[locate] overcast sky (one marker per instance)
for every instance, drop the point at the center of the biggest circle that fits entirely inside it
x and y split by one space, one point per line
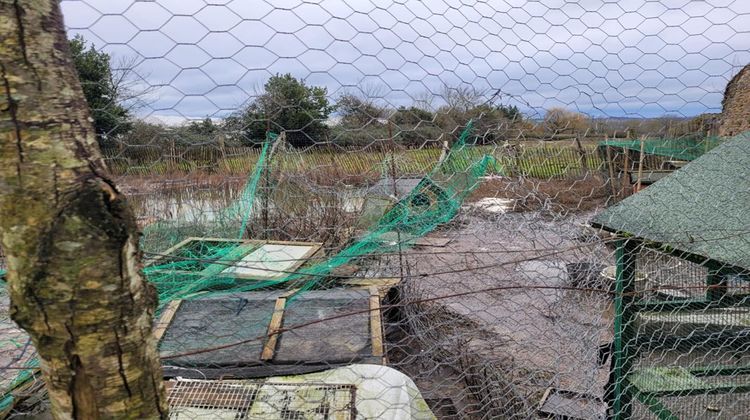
606 58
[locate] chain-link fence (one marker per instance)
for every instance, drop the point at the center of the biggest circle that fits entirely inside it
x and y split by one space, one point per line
408 209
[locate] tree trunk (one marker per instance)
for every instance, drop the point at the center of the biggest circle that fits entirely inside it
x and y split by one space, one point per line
69 236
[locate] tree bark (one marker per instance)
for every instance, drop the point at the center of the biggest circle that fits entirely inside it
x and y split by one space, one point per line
70 239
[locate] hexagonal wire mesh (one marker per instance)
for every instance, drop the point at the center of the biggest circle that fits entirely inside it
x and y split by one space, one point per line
406 209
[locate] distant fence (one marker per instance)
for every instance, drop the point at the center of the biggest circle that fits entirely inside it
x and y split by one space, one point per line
548 161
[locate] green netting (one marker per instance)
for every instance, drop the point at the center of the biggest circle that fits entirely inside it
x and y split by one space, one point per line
435 200
229 222
196 270
23 356
8 399
676 149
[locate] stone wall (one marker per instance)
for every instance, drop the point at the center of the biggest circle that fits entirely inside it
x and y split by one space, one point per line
735 114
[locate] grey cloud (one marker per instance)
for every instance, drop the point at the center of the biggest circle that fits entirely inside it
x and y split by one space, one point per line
606 58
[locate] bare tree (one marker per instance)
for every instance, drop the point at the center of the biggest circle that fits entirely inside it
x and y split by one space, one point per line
559 120
70 238
131 88
461 98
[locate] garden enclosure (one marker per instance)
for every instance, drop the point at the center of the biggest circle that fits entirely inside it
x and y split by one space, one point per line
399 209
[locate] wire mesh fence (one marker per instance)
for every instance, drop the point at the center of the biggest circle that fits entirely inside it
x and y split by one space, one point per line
443 209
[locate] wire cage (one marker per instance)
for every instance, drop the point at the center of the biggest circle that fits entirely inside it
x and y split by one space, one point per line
682 340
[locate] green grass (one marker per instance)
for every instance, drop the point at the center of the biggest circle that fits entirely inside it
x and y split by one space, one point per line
535 161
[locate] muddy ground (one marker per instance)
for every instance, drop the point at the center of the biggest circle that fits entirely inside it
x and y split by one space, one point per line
498 316
496 310
495 317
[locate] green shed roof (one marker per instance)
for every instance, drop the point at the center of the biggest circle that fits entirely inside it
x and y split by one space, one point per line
702 209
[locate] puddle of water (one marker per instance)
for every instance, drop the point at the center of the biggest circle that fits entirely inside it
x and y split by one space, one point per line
205 205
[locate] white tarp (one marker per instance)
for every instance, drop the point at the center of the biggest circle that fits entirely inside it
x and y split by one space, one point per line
378 392
382 392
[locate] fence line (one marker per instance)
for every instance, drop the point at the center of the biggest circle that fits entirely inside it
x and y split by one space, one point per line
535 162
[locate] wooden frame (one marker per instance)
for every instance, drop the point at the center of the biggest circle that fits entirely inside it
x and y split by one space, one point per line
628 384
383 284
376 323
315 249
275 324
647 177
182 243
166 319
269 348
252 245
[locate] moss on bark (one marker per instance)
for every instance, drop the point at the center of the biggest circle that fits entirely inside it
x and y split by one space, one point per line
70 238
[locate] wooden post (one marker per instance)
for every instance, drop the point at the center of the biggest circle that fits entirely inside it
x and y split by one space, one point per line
376 323
624 348
626 172
610 166
640 165
582 152
443 151
392 141
222 150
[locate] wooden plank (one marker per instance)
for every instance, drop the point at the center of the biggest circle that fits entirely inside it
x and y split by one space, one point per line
166 318
319 244
214 239
649 177
368 282
376 323
315 248
275 325
247 246
288 293
230 258
544 398
168 252
383 284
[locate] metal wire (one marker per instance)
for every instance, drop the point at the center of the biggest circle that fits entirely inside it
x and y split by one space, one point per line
519 308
